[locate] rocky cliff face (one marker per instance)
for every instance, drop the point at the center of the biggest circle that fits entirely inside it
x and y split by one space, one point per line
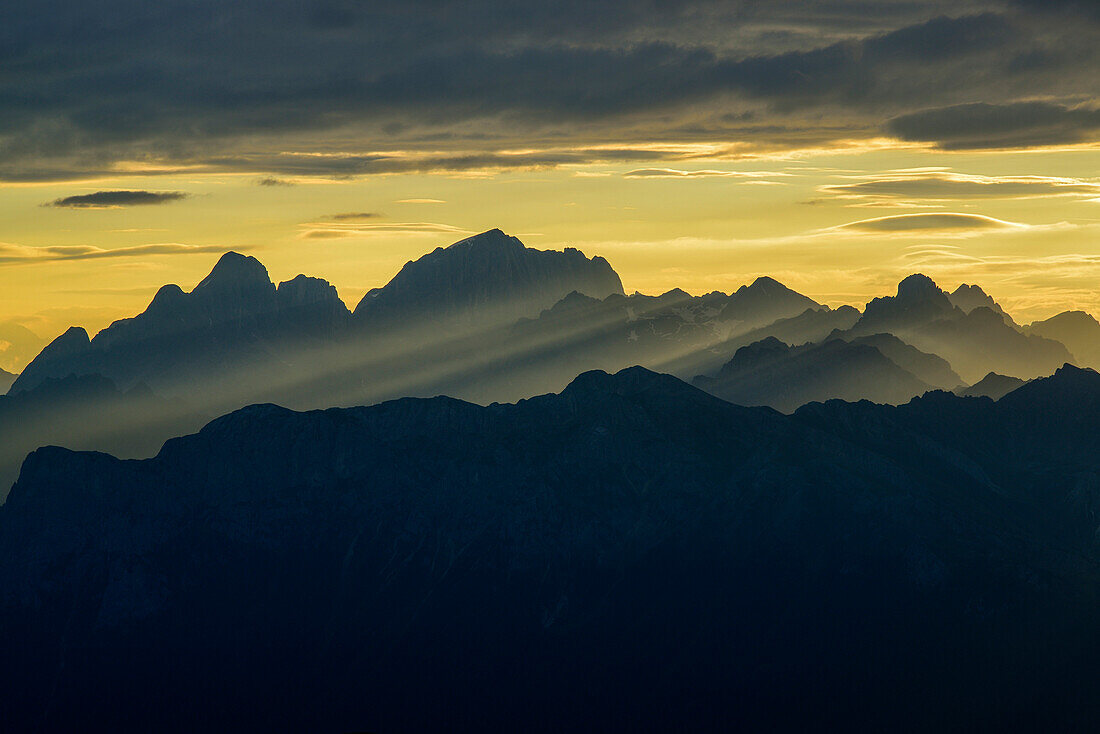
632 553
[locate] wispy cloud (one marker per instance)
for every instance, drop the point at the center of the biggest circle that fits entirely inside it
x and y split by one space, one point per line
929 221
339 230
354 216
117 199
676 173
11 253
420 201
272 181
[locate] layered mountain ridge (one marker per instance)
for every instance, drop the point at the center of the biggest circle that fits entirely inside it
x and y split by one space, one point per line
630 551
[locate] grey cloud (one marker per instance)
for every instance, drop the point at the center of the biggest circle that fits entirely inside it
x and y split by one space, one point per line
982 125
116 199
354 216
946 186
930 221
188 80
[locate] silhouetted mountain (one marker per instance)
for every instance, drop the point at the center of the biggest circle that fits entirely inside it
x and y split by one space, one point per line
974 343
771 373
992 386
485 280
919 301
763 301
632 553
1079 331
928 368
234 320
969 297
87 412
981 342
6 380
18 346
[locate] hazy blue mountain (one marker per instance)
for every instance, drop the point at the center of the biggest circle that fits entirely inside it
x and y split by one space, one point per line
992 386
969 297
631 553
18 346
6 380
1079 331
981 342
974 343
87 412
772 373
762 302
485 280
928 368
234 320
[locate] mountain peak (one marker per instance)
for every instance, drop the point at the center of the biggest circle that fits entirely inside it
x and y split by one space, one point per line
490 277
490 240
234 270
917 285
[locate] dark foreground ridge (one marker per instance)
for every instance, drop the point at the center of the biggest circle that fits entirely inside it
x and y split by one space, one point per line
631 554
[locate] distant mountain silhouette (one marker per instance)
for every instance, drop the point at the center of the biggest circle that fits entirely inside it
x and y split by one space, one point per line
928 368
87 412
919 301
1079 331
974 343
771 373
485 280
631 553
6 380
762 302
992 386
18 346
981 342
234 319
969 297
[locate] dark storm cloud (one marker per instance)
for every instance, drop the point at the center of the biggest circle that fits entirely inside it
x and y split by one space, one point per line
116 199
981 125
202 82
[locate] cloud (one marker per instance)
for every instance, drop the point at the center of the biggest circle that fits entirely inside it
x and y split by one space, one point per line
1015 125
272 181
117 199
929 221
354 216
11 253
335 230
675 173
111 91
420 201
948 186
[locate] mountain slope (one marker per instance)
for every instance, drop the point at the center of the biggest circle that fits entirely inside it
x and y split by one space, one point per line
6 380
632 553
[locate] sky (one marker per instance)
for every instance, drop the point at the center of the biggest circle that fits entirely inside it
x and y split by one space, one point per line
836 145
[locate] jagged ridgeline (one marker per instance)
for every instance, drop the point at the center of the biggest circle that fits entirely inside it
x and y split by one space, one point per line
631 554
488 319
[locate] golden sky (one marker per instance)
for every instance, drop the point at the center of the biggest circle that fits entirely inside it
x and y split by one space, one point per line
836 146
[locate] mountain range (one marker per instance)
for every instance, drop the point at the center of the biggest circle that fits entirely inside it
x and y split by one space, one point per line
632 553
487 320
